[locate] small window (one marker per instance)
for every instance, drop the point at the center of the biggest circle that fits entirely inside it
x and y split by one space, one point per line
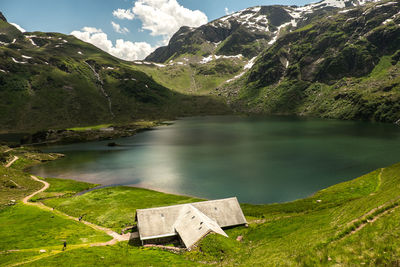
200 227
201 223
215 208
193 217
162 215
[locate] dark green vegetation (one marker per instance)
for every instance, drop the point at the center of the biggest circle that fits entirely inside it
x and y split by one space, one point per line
54 80
89 133
344 66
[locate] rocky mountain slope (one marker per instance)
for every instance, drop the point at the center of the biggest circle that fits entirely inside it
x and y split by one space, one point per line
345 66
55 80
246 32
335 59
197 60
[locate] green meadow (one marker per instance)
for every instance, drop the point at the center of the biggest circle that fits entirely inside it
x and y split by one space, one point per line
349 224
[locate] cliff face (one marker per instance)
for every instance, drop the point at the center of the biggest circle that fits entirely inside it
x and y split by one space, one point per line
2 17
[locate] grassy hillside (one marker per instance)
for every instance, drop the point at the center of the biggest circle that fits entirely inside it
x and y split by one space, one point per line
309 231
114 207
26 230
352 223
54 80
187 75
342 66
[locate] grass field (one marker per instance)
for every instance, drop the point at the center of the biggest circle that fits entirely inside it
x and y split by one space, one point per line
62 188
90 128
15 184
24 227
349 224
313 231
114 207
118 255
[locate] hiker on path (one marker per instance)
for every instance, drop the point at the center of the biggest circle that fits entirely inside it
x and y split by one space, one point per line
65 245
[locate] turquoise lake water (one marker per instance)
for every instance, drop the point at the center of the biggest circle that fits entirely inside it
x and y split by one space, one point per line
257 159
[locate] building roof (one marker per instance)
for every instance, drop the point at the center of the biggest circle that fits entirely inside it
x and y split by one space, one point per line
160 222
192 225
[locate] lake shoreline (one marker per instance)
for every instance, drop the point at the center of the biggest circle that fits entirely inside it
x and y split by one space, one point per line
71 136
280 158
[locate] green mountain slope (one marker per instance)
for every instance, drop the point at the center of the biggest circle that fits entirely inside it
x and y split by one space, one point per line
55 80
342 66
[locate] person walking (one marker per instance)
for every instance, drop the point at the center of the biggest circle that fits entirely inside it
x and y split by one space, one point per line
65 245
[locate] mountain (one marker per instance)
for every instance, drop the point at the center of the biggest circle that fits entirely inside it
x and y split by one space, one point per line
344 66
334 59
2 17
246 32
197 60
55 80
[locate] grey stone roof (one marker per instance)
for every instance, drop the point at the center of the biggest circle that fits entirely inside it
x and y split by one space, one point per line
192 225
166 221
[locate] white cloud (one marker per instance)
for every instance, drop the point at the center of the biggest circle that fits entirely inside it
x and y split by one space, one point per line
18 27
122 49
164 17
227 12
123 14
118 28
91 30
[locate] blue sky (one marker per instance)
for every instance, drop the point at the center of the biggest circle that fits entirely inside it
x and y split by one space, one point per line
146 29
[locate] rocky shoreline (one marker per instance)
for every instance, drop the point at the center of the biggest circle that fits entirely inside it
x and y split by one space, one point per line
67 136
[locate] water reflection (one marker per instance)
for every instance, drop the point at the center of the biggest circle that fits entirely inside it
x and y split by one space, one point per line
260 160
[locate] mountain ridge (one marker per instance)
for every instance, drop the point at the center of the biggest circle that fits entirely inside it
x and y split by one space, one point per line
54 80
235 31
258 60
345 66
289 79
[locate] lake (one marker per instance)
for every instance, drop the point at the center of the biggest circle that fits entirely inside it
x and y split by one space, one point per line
257 159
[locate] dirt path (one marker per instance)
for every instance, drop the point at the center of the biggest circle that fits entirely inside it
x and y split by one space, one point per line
8 165
115 236
381 210
373 220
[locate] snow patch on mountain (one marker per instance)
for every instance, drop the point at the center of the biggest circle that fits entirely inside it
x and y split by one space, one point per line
255 21
210 58
18 62
248 66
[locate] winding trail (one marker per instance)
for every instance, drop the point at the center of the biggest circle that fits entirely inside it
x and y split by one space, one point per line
26 199
381 210
8 165
115 236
